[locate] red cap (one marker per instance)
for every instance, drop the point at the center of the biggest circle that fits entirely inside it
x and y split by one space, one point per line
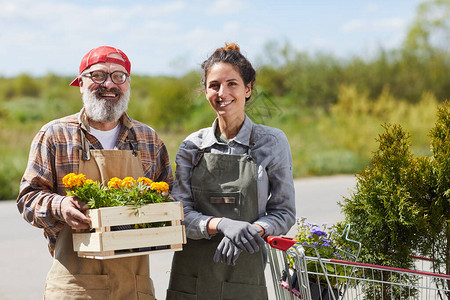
100 55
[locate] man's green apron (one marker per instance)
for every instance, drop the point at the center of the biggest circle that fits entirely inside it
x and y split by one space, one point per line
75 278
223 185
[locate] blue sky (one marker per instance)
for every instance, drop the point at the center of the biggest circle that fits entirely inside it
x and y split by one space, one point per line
170 37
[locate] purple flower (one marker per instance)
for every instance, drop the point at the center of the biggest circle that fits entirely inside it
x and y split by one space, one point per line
326 244
317 231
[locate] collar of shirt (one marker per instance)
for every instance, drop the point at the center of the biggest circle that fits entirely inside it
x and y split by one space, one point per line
125 128
243 136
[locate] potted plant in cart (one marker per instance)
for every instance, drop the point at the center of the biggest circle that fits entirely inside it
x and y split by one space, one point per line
128 217
320 243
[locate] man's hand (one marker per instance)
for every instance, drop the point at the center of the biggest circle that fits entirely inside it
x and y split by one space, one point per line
72 211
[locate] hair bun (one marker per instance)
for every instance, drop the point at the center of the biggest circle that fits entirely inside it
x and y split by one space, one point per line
230 47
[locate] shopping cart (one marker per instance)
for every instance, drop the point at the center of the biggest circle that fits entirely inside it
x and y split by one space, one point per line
296 275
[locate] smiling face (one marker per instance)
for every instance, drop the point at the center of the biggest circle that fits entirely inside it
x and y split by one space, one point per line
105 102
226 91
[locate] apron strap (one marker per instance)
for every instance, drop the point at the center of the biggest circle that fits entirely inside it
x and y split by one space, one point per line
252 138
200 153
131 138
251 142
85 145
86 153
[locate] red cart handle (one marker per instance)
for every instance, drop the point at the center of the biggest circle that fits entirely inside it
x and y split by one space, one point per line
282 243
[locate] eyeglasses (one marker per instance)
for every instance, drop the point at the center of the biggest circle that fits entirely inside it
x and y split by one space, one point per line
99 77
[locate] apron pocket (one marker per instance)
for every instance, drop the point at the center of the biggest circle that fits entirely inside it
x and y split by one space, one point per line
218 204
182 285
144 287
243 291
144 296
77 287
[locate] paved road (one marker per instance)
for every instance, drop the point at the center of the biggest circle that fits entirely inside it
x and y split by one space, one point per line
25 261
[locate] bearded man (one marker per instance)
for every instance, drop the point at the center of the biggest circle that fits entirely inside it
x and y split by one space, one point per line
101 142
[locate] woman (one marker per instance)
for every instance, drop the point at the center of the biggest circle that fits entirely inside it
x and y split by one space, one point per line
235 182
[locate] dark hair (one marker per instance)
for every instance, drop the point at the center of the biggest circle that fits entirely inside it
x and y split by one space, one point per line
232 55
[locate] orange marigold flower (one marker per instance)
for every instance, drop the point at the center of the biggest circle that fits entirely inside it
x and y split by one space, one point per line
160 186
80 180
114 182
73 180
89 181
145 180
128 182
164 187
67 180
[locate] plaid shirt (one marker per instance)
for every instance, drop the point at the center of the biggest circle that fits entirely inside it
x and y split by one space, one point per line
55 153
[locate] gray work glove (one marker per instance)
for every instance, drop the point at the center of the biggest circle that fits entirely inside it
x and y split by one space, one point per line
243 234
227 252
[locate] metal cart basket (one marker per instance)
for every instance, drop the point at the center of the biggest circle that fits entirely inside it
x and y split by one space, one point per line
345 279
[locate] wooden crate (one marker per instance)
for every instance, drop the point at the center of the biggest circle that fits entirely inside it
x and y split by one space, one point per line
106 244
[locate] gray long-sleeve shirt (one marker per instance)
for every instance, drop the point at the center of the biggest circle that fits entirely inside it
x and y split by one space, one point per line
276 195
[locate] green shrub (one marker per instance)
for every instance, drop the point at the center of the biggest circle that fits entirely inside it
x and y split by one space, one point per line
382 209
401 202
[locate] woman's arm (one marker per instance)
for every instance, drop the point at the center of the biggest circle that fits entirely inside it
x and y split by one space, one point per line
280 207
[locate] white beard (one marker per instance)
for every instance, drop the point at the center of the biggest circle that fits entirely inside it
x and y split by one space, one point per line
105 111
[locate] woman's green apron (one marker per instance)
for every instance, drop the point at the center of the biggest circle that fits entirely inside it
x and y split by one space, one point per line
223 185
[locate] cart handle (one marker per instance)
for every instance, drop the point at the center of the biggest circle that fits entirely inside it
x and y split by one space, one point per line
281 243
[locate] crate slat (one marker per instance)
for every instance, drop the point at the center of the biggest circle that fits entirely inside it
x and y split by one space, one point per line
113 254
128 239
123 215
